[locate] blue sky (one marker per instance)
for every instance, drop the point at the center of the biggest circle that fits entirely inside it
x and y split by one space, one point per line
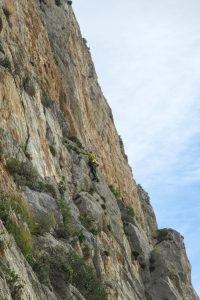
147 57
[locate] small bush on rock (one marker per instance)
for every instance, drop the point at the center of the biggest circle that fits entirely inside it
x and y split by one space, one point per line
13 280
45 222
84 278
18 220
49 188
73 144
66 229
15 202
41 266
71 269
88 223
62 187
66 213
75 140
21 235
73 148
79 235
23 173
130 211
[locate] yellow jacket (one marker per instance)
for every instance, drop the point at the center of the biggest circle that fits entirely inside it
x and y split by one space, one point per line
91 157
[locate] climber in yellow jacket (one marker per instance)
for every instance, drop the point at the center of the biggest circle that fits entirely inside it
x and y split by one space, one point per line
92 163
91 156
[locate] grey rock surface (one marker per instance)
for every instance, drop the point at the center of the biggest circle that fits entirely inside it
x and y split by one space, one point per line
52 111
150 217
170 268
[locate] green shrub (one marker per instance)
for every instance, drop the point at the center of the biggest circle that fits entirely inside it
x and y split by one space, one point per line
71 269
130 211
50 188
45 222
62 187
47 188
84 278
79 235
66 213
4 62
93 230
73 148
75 140
41 266
66 229
14 212
21 235
79 274
49 265
115 192
88 223
23 173
13 280
15 202
76 146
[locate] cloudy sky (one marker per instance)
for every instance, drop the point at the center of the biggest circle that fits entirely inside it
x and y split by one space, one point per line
147 57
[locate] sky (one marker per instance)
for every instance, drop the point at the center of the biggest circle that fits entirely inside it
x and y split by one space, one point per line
147 58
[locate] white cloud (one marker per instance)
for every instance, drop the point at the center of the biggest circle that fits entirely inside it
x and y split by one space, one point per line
147 58
159 90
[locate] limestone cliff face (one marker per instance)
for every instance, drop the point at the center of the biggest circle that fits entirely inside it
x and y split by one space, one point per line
51 111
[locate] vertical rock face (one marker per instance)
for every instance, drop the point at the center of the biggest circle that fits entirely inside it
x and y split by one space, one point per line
64 235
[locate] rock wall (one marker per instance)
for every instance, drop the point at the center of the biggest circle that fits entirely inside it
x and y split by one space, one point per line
64 235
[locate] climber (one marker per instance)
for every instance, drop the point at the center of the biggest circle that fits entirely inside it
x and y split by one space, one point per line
92 163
